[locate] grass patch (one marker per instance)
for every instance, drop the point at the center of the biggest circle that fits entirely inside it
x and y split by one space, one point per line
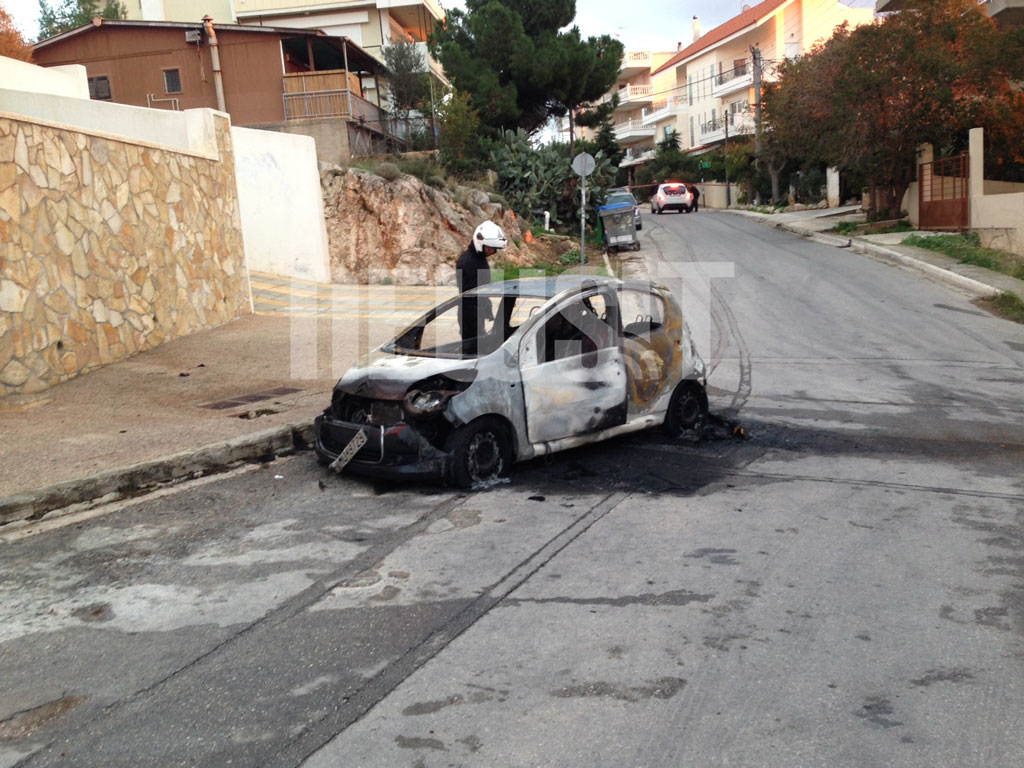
1007 305
900 226
565 262
967 250
845 227
514 272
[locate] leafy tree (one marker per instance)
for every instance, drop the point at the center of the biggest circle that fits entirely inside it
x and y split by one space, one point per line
407 79
12 44
56 16
459 128
866 99
517 65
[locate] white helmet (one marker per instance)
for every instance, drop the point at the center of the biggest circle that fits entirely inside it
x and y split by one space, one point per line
490 234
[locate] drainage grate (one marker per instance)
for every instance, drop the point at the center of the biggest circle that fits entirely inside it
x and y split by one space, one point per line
243 400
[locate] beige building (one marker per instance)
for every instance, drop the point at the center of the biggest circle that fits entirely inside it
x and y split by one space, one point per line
705 92
371 24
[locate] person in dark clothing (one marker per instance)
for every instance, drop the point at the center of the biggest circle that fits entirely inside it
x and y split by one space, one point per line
696 196
472 271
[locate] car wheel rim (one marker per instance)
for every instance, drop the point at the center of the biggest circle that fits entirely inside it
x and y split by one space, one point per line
688 411
483 456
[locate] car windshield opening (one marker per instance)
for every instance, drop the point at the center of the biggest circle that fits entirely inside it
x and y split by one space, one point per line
467 327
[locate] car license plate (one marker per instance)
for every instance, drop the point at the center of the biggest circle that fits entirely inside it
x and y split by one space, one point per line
349 451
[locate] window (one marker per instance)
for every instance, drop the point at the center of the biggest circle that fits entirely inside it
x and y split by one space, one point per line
99 88
693 138
172 81
576 329
689 90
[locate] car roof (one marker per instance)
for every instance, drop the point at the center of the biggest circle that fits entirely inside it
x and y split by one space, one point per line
549 287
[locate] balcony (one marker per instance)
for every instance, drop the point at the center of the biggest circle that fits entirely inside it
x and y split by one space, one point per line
635 62
432 65
632 132
662 109
738 79
331 93
738 124
633 96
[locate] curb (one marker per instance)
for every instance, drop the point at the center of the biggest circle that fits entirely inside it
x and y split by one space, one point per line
144 476
976 287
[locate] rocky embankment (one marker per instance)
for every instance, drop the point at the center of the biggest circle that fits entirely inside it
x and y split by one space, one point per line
404 231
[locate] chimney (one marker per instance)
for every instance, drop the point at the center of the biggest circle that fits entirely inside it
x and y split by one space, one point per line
696 29
679 47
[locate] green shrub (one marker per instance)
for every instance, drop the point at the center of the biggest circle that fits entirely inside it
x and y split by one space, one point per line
389 171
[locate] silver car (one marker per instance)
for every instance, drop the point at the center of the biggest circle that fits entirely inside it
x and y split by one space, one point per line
553 363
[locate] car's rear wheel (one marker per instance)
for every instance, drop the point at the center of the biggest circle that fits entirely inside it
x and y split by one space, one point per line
481 452
687 410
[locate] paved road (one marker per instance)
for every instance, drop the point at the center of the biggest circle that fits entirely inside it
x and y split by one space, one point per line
844 588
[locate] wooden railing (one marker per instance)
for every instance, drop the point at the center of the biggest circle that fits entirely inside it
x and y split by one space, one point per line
331 93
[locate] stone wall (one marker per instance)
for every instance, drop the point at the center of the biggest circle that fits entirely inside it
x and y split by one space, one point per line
109 246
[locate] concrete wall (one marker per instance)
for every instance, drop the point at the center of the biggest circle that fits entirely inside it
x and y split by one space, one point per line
333 142
70 81
282 204
999 221
111 244
997 208
187 131
713 195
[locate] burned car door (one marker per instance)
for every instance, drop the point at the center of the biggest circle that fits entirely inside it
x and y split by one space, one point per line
573 370
651 333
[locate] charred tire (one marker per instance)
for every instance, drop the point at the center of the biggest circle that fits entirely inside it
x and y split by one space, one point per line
481 452
687 410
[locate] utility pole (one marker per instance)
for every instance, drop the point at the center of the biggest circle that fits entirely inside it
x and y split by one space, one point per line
728 197
756 53
756 57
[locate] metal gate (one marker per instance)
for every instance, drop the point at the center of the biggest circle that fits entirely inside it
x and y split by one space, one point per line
943 186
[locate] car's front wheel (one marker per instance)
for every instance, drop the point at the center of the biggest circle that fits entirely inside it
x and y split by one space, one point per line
687 410
481 452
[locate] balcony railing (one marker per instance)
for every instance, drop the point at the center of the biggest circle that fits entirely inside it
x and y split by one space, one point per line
636 60
739 123
661 109
725 77
331 93
633 129
635 92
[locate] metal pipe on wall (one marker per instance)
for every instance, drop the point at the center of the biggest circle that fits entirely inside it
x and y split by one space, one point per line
218 82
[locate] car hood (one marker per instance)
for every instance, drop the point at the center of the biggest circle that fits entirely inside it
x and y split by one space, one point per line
386 376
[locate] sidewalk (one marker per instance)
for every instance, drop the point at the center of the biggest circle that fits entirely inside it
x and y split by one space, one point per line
815 223
196 404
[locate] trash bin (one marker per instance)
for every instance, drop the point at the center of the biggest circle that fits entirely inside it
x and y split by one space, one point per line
619 226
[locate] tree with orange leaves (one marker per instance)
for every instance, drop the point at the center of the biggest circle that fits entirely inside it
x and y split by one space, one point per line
868 97
12 44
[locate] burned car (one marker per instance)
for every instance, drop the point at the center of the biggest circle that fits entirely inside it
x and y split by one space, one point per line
552 363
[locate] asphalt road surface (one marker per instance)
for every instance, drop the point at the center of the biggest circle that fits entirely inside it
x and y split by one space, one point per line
843 586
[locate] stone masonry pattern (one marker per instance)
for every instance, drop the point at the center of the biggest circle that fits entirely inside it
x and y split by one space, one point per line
108 248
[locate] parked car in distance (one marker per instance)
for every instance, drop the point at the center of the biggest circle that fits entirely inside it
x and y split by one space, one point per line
621 195
560 363
672 196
